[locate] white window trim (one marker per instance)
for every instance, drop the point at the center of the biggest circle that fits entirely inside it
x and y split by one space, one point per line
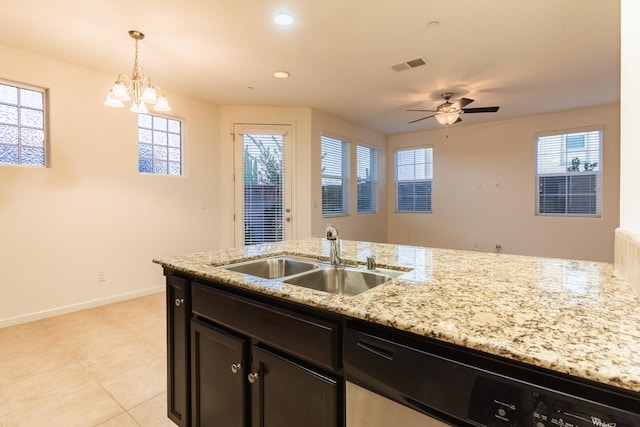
182 147
373 181
345 177
46 125
599 173
395 179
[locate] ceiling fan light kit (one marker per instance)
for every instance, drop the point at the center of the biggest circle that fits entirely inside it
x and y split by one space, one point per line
449 113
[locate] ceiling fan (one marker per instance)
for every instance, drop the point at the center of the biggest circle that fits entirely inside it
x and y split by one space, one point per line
449 113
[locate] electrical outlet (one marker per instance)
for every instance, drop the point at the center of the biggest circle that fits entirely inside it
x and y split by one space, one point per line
102 276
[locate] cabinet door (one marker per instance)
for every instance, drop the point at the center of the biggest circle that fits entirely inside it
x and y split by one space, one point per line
218 377
178 312
287 394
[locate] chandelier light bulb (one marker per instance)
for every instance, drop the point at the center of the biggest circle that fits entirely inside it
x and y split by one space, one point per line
119 92
139 108
149 95
162 105
112 102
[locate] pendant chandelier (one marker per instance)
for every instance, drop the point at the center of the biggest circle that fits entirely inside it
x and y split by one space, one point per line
137 87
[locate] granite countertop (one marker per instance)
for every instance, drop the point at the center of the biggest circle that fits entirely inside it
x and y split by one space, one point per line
574 317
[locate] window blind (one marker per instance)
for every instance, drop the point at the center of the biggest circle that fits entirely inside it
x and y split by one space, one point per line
335 176
569 174
366 164
413 179
264 178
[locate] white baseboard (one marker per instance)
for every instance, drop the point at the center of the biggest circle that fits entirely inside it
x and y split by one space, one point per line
77 307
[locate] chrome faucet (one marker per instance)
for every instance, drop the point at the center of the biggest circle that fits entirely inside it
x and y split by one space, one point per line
331 233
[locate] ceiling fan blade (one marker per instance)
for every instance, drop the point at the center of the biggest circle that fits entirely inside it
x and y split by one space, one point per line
413 121
480 110
432 111
460 103
457 121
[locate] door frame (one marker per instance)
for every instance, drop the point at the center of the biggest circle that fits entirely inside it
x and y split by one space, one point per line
284 129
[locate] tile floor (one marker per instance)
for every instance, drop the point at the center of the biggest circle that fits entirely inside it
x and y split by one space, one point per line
104 366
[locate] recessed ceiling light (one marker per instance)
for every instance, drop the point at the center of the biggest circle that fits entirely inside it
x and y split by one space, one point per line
433 24
281 74
283 19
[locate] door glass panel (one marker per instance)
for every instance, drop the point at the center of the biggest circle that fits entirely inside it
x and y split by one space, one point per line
263 189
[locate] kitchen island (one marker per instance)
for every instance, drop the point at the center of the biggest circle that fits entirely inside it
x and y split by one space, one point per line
577 318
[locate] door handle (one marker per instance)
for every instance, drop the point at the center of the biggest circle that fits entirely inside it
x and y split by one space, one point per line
253 377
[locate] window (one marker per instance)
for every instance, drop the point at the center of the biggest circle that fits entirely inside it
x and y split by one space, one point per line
335 176
159 145
569 174
367 162
413 179
22 125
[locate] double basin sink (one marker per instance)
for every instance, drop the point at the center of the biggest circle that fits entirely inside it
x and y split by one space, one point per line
312 274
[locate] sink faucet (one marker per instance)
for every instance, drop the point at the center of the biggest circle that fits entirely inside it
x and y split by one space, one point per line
331 233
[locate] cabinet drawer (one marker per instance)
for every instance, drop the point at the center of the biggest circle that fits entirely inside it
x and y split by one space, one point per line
300 335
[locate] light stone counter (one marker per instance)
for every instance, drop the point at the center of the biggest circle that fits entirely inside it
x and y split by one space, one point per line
574 317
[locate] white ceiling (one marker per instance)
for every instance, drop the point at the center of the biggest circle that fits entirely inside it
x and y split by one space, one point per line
527 56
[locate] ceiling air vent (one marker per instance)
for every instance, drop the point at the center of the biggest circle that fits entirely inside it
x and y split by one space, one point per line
418 62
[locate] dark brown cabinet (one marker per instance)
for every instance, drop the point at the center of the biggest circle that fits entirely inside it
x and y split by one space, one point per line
218 377
178 312
237 361
287 394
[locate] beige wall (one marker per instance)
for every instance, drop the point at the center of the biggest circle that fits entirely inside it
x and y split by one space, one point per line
91 210
366 227
471 212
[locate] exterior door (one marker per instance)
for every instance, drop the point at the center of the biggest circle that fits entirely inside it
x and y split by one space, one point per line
262 175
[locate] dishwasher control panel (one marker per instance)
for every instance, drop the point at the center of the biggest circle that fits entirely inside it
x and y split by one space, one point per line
495 403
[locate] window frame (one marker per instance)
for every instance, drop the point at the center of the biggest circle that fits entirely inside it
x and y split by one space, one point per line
372 179
565 182
159 147
344 177
428 202
45 125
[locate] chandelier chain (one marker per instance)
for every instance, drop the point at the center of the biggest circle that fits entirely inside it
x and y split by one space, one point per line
136 70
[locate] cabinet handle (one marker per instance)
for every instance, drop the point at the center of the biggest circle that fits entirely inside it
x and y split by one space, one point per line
253 377
235 367
179 302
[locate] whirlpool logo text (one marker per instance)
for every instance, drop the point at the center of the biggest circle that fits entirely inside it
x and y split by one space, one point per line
599 423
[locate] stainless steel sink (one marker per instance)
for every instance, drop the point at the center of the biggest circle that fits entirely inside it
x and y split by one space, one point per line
273 268
339 280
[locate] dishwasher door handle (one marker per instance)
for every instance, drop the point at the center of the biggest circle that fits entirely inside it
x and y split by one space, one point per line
378 351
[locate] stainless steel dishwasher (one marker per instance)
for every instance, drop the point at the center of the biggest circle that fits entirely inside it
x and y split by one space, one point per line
397 380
